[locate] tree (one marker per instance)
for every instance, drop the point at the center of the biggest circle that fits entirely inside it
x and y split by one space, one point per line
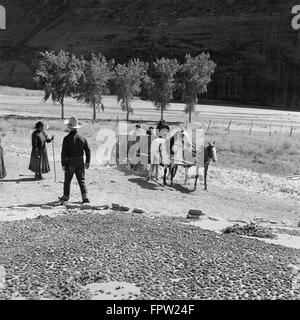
163 77
128 79
94 82
196 75
58 74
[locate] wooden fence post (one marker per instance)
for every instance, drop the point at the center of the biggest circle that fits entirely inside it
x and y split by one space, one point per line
229 125
291 132
209 125
250 131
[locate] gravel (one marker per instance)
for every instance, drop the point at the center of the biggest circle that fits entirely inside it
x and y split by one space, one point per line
251 230
54 258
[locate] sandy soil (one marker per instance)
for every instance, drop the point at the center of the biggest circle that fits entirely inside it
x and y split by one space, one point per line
22 197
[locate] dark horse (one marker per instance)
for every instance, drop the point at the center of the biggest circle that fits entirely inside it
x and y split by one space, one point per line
210 155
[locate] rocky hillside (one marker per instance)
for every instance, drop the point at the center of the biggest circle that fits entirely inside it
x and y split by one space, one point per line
257 52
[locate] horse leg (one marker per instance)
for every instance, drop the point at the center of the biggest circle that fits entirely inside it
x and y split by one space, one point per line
165 175
205 176
186 178
196 178
156 172
173 174
150 172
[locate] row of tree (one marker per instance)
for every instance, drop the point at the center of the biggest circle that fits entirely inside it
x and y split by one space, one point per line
63 75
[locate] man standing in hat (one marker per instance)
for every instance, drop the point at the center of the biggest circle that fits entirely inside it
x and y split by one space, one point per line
72 159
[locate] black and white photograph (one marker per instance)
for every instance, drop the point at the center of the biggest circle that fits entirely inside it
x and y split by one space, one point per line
150 151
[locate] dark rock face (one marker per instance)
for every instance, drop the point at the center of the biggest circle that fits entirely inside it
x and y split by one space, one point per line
252 41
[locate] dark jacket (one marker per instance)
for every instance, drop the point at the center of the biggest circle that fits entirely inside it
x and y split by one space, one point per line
73 149
39 141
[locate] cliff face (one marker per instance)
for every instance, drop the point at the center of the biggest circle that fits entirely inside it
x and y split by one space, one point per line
257 52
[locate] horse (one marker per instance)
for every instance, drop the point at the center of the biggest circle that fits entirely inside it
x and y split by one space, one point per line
210 155
181 146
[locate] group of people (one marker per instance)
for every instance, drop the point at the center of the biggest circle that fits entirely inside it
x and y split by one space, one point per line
72 157
74 148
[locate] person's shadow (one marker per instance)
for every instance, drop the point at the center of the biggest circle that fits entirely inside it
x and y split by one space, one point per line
18 180
144 184
182 189
34 205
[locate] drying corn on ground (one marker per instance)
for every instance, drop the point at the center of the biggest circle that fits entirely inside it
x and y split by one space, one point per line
56 258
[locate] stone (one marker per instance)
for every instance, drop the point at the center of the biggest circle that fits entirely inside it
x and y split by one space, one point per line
100 208
124 209
115 206
197 213
139 211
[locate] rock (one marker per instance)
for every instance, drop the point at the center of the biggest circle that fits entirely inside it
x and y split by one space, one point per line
100 208
139 211
115 206
197 213
124 209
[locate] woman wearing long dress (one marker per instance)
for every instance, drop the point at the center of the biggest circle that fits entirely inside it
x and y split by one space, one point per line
39 163
2 167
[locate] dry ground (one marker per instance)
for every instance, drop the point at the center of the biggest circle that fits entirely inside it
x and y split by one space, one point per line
239 186
250 181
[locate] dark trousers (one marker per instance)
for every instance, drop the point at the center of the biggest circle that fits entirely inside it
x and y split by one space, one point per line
79 171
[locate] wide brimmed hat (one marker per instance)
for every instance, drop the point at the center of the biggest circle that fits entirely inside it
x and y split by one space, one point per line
73 123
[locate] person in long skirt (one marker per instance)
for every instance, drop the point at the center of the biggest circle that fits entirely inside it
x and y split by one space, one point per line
2 167
39 163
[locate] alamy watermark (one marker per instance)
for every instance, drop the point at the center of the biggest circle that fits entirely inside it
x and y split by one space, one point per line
2 18
296 18
178 145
